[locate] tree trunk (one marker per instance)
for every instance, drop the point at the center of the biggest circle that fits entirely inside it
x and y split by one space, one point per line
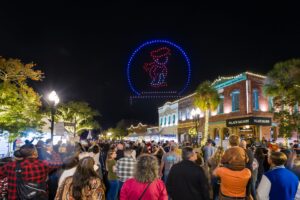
205 135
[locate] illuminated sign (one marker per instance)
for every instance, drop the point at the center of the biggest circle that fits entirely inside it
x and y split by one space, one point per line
260 121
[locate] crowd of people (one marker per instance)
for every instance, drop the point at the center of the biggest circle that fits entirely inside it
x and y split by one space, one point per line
125 170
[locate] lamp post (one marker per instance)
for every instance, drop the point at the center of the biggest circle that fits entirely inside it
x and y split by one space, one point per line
196 118
54 100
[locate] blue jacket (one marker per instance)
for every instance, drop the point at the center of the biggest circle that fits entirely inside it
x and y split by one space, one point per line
284 184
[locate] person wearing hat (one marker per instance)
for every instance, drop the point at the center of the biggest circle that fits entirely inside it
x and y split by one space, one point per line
33 170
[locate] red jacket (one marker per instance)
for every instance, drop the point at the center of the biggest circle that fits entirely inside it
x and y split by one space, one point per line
132 190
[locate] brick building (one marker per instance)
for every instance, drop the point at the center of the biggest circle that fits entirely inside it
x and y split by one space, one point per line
243 110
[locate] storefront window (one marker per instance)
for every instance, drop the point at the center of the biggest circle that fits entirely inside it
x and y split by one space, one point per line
235 97
255 103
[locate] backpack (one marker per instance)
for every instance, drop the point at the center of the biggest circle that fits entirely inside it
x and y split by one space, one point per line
29 191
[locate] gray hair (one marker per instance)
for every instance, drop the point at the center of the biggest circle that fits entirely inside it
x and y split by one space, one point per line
187 153
146 168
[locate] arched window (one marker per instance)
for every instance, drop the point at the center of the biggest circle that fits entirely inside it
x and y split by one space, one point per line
255 102
235 98
161 121
169 120
174 118
165 121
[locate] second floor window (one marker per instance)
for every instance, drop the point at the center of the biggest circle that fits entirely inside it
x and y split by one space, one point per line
255 102
174 118
161 121
235 97
169 121
165 120
221 105
270 104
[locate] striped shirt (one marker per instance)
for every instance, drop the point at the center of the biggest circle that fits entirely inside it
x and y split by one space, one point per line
125 168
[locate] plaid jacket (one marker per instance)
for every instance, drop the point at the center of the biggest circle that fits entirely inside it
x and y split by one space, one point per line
125 168
34 170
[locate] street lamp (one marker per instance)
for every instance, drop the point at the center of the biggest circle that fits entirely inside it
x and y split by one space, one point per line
196 117
54 100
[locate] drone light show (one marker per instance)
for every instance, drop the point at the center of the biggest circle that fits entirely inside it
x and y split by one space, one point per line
158 69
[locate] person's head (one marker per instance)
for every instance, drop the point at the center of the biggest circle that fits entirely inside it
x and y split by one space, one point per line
234 140
218 154
189 154
243 144
259 154
95 149
146 168
127 152
111 154
28 151
277 158
82 176
18 155
173 147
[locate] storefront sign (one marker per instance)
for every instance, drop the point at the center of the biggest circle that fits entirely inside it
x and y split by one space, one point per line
260 121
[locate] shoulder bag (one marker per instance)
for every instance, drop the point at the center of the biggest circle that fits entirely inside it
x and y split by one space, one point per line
140 198
29 190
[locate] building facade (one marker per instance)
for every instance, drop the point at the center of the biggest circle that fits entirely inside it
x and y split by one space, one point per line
168 121
243 110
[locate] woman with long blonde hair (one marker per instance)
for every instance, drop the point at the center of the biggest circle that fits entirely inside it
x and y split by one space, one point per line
213 163
146 183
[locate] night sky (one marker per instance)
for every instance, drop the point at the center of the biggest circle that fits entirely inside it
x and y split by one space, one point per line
83 48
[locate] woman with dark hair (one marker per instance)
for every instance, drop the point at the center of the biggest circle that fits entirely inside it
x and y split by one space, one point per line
146 183
260 157
85 184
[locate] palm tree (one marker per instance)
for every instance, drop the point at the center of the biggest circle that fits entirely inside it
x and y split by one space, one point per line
207 99
283 85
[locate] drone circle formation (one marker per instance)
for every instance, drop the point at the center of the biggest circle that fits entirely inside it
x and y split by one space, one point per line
150 43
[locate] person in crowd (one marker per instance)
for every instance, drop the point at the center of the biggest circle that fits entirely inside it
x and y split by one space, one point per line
279 183
120 151
186 179
113 189
260 157
145 184
208 150
168 160
213 163
235 157
85 184
95 153
49 154
294 164
125 167
158 152
33 170
249 165
56 147
233 182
